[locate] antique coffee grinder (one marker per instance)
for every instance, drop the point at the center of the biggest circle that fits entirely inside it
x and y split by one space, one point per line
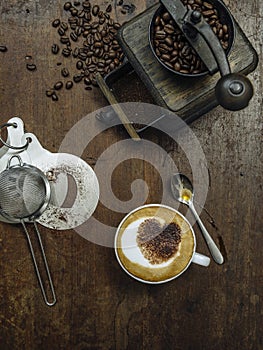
152 43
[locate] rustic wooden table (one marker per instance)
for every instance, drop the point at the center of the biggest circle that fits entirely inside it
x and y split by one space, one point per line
99 306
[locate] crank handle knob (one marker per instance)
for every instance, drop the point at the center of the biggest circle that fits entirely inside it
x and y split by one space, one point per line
234 91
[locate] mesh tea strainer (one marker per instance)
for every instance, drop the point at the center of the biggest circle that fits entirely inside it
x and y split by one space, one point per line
24 196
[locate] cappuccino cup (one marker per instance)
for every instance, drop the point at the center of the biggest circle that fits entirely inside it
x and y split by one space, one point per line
155 243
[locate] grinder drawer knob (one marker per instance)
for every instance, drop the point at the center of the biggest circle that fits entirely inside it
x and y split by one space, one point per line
234 91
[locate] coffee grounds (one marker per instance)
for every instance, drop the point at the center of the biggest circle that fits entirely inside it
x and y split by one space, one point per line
158 243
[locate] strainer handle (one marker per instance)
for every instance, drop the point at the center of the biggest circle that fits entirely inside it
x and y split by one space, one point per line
49 303
10 160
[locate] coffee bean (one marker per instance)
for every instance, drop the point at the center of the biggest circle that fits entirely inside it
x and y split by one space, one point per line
79 64
55 49
64 72
169 28
58 85
160 34
95 10
75 52
31 67
73 36
56 23
166 17
225 28
83 56
207 5
208 13
67 6
66 52
49 93
64 26
54 96
87 81
69 85
88 88
76 3
92 68
169 41
79 30
177 66
77 78
73 11
3 48
109 8
64 40
61 31
166 57
86 5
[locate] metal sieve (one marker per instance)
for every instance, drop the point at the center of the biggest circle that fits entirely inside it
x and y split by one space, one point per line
24 196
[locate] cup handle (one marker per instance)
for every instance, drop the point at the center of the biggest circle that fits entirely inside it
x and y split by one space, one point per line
201 259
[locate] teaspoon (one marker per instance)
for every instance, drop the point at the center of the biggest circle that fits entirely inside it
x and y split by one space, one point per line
182 190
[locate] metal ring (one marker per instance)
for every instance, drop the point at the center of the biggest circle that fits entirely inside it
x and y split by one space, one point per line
6 125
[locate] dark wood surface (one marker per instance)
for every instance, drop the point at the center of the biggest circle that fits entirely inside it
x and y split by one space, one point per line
99 306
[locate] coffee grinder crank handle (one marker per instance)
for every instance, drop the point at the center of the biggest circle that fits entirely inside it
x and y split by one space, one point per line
233 90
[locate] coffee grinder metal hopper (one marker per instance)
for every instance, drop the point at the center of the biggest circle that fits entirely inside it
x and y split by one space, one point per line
188 96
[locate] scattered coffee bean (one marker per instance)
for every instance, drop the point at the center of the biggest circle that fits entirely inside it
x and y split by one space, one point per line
87 81
54 96
79 65
86 5
64 40
76 3
3 48
65 72
66 52
58 85
69 85
31 67
49 93
77 78
56 23
67 6
64 26
109 8
55 49
73 36
73 11
95 10
61 31
88 88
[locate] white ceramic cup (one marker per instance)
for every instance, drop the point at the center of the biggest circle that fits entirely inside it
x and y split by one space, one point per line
131 257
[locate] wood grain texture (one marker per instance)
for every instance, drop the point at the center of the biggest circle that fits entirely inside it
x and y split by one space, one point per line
99 306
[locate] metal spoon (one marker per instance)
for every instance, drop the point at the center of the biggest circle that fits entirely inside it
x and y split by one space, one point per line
183 191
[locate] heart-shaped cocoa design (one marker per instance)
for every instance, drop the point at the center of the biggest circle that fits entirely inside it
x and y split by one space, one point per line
158 243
